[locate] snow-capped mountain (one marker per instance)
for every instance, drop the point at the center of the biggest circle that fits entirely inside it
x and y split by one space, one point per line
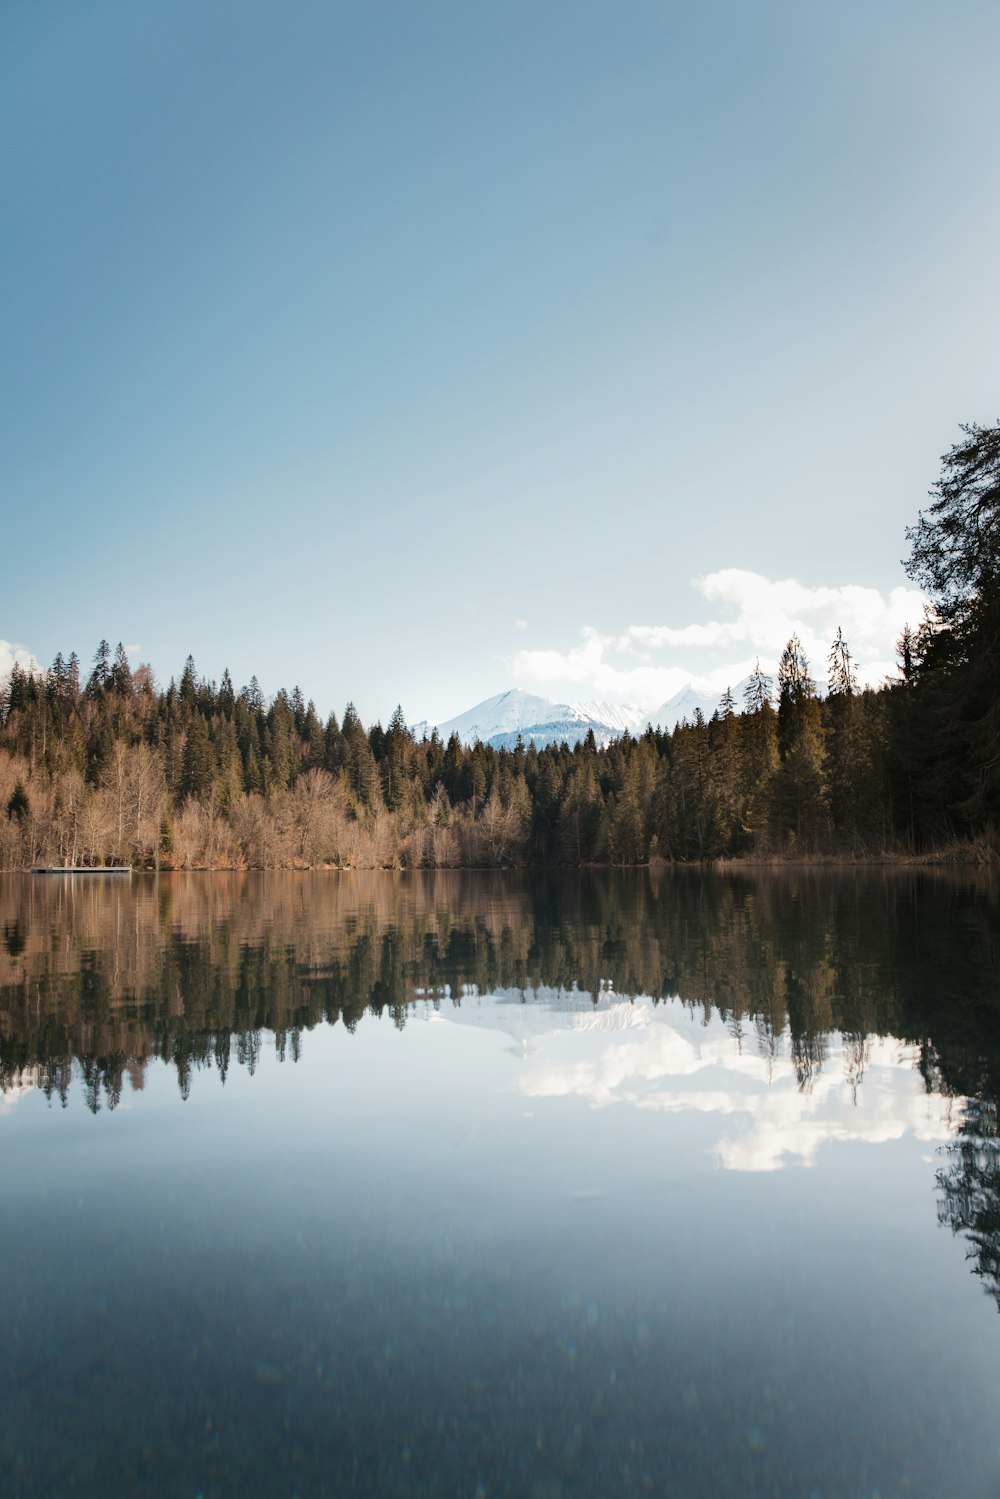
501 719
514 714
688 701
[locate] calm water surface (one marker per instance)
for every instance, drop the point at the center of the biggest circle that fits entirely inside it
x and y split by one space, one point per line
478 1186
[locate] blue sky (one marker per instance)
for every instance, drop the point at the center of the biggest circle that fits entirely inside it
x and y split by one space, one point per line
388 349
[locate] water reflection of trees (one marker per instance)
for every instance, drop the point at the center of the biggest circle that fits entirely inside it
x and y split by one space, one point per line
969 1188
194 970
99 978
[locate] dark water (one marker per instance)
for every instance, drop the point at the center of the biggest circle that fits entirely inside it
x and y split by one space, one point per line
601 1185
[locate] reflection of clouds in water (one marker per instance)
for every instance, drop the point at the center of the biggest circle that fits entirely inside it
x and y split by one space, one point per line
790 1125
11 1096
618 1074
784 1123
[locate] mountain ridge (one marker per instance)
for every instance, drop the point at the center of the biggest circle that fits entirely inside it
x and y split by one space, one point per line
515 714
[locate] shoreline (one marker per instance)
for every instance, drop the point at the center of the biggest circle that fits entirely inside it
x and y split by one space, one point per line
979 854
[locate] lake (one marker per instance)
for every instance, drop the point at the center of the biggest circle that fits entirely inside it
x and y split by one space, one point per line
581 1184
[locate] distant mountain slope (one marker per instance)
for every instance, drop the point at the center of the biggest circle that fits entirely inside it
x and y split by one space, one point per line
503 719
685 704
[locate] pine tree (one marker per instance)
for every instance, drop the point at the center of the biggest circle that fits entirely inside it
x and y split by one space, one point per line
955 557
18 805
98 680
334 744
847 769
198 767
580 816
758 690
453 772
393 760
227 697
120 675
56 679
359 762
315 741
189 685
798 805
298 707
280 746
725 743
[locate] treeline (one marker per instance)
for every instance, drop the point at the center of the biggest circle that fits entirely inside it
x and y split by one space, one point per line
200 775
203 776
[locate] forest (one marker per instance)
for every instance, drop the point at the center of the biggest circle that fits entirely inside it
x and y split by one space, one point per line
103 766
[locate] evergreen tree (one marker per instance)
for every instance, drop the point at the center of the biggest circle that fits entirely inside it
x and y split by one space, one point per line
846 767
189 685
198 766
98 680
955 557
393 760
227 697
120 675
758 690
453 772
725 773
580 816
334 744
376 741
759 762
280 747
56 680
18 805
298 707
100 744
545 812
796 688
315 740
359 762
902 752
228 763
798 804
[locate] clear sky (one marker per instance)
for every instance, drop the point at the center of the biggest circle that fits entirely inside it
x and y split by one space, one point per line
387 348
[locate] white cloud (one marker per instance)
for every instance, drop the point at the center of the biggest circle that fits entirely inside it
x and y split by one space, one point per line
763 614
659 635
586 667
768 613
520 624
11 655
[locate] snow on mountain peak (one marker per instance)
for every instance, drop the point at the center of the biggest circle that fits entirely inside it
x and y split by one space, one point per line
502 719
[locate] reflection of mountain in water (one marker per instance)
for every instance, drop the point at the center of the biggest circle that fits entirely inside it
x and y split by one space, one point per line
528 1017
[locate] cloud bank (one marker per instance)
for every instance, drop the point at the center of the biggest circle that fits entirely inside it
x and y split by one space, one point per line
757 615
